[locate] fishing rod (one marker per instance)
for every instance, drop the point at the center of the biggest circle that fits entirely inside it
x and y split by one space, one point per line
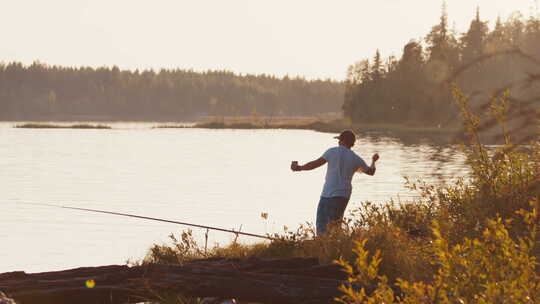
155 219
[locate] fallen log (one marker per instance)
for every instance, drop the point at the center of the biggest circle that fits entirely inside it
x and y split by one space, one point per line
266 281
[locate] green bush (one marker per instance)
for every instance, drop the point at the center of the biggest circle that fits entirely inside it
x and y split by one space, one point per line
492 269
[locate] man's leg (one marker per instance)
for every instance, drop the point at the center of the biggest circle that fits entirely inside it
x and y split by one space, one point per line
322 215
330 209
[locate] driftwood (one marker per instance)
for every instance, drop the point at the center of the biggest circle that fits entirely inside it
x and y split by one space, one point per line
297 280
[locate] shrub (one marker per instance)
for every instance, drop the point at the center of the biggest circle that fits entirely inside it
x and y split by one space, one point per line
492 269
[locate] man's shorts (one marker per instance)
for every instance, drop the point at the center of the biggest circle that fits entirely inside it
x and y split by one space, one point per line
330 209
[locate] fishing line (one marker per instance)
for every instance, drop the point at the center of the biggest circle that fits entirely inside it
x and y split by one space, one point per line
153 219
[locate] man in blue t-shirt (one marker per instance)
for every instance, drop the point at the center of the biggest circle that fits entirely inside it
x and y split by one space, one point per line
342 164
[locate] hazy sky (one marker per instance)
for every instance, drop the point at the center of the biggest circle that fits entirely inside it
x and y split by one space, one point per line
311 38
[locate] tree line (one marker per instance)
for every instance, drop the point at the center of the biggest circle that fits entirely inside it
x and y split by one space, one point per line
416 89
42 92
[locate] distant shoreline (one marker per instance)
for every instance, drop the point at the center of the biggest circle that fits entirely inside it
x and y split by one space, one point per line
399 131
333 126
326 127
319 125
60 126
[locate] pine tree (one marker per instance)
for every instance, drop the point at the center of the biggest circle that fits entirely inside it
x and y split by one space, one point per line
437 39
495 39
377 69
474 40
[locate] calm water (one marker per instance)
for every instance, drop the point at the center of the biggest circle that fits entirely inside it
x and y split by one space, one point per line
224 178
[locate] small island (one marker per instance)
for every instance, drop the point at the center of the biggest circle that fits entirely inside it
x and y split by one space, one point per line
56 126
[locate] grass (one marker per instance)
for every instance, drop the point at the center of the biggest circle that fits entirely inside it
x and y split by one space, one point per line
55 126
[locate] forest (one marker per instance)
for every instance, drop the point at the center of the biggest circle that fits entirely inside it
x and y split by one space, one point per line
414 90
483 63
42 92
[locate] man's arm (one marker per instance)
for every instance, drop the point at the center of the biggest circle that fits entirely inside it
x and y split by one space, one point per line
371 169
308 166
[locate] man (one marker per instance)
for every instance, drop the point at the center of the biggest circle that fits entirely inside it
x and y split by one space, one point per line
342 164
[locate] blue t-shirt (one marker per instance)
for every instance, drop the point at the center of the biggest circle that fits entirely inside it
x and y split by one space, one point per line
342 164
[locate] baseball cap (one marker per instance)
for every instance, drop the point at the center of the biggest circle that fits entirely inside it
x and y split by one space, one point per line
347 136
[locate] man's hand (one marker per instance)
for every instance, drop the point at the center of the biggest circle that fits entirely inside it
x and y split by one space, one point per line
294 166
375 157
309 166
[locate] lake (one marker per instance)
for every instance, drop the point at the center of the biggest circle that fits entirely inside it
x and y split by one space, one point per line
222 178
